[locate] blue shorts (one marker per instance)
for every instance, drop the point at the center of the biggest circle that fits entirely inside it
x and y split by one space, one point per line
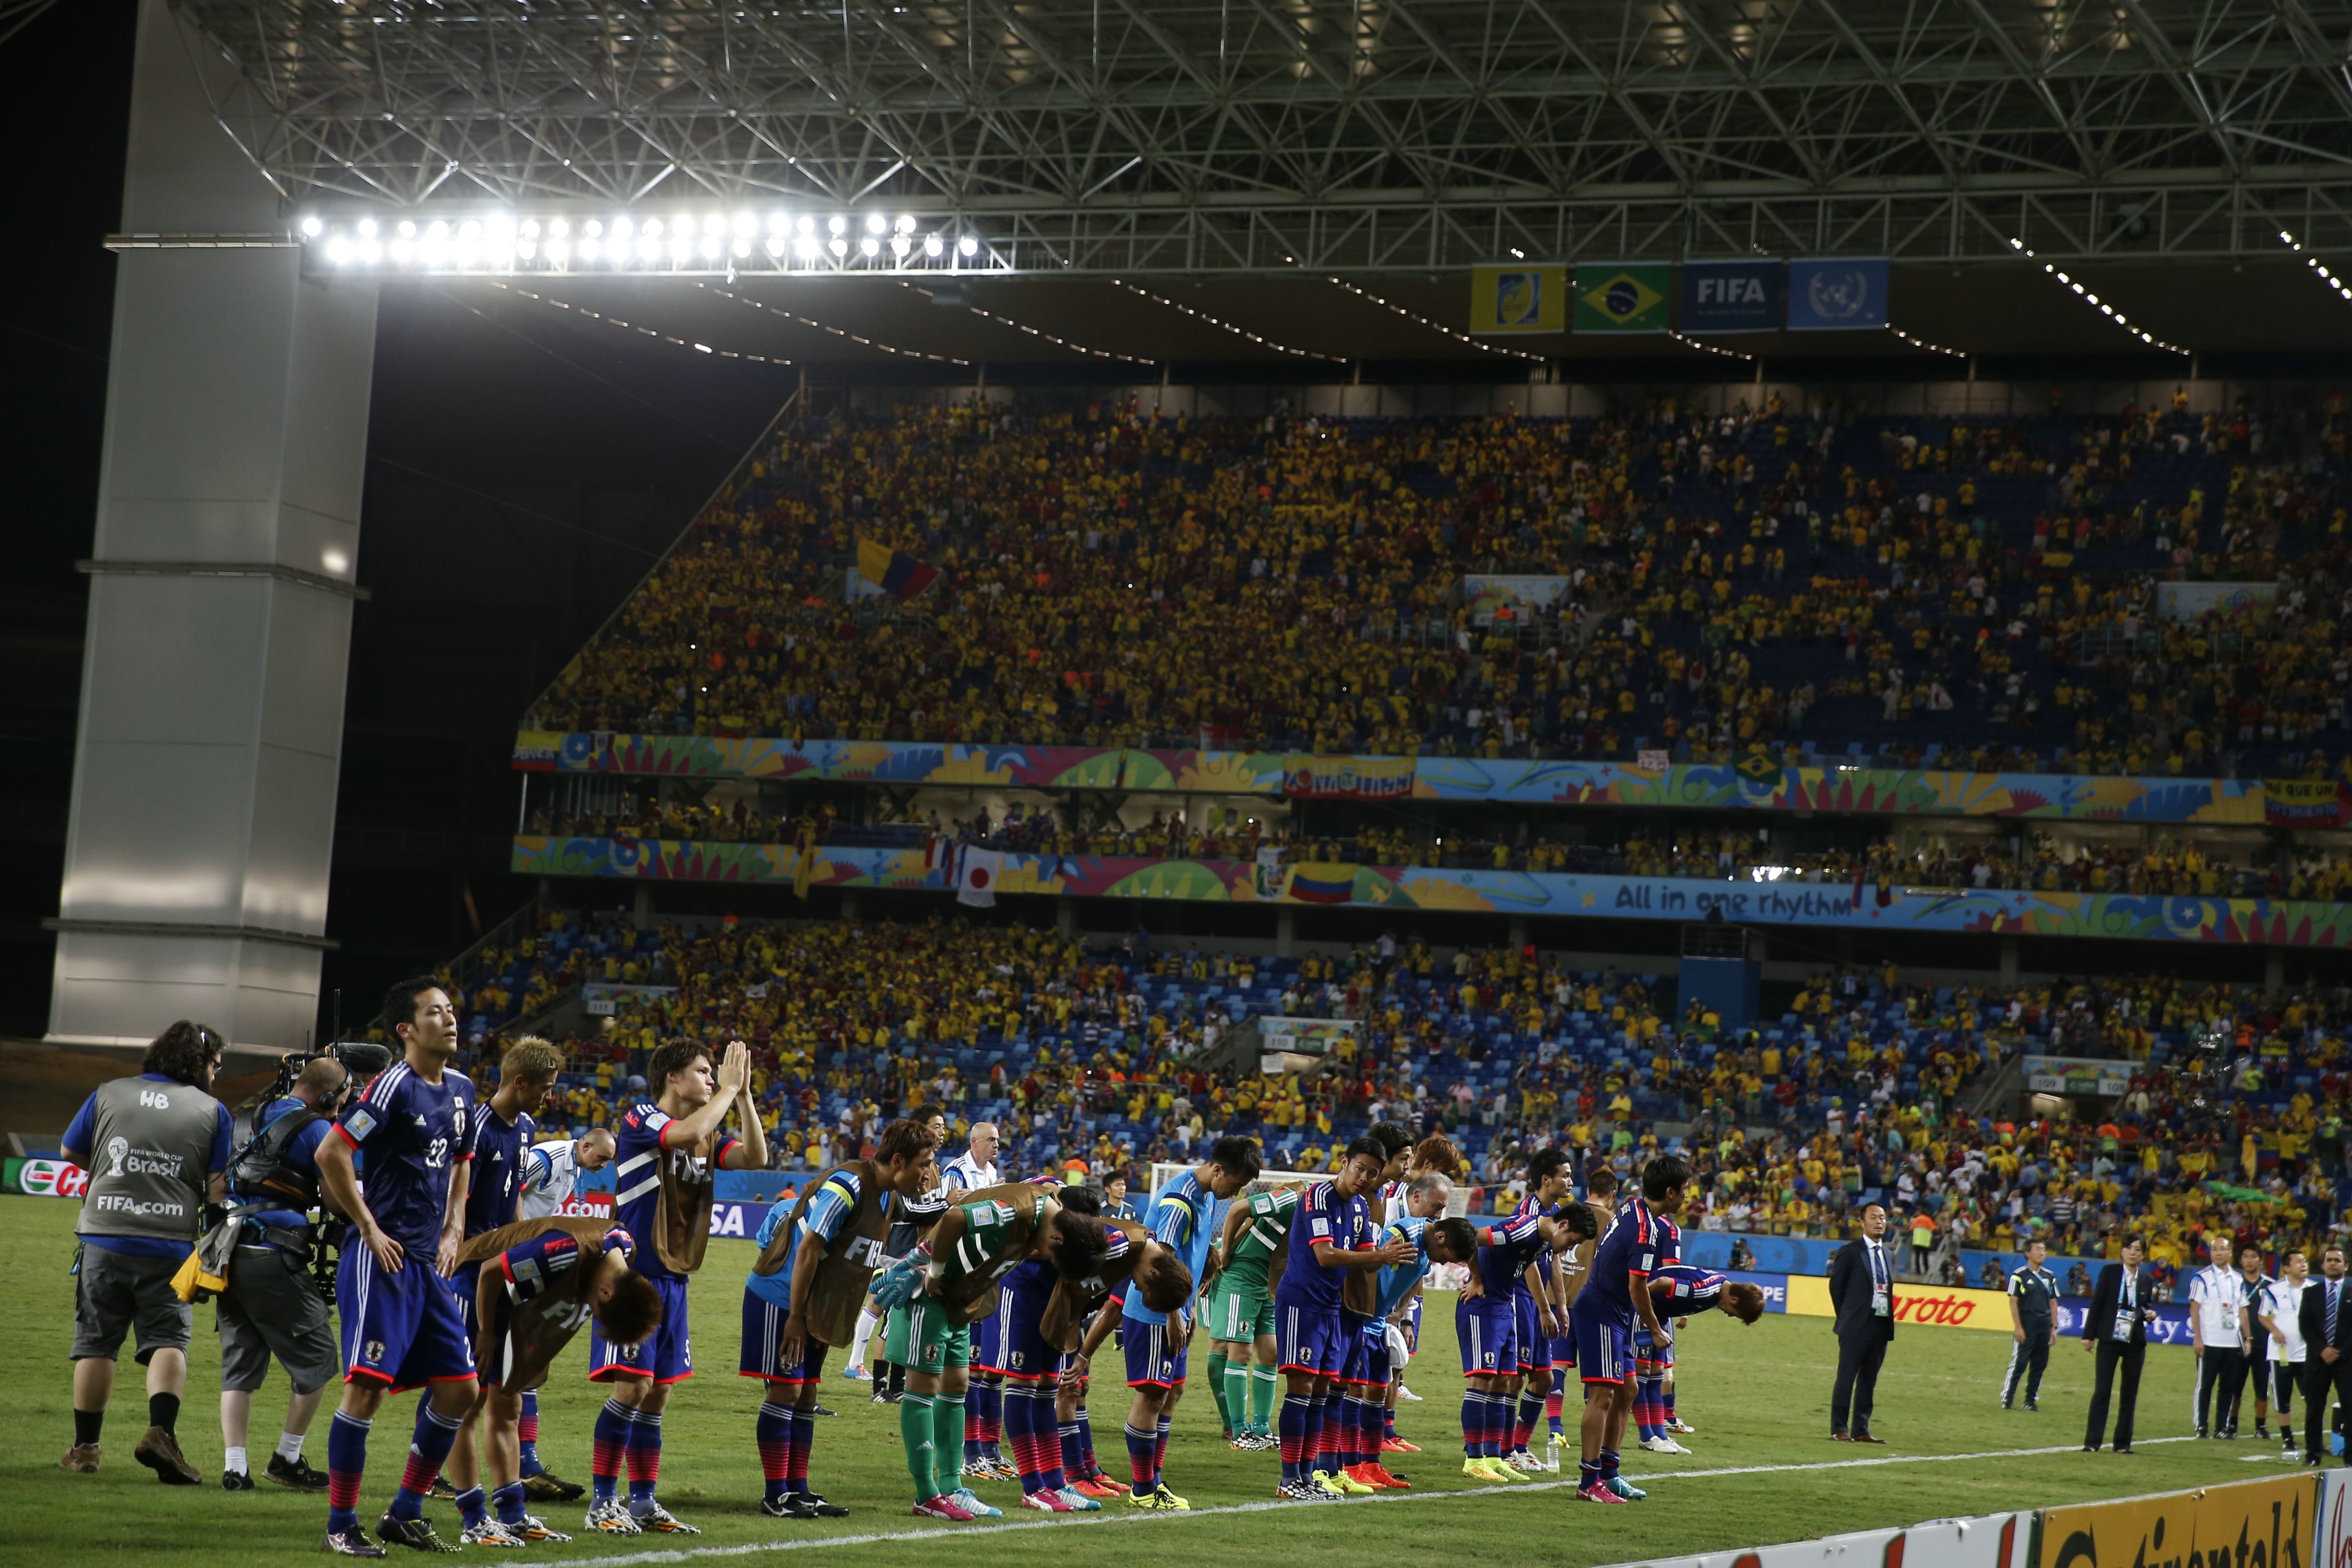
1604 1351
667 1357
1307 1339
1562 1349
1651 1360
1534 1345
1022 1351
1151 1362
463 1283
763 1333
1355 1346
988 1335
1488 1332
403 1329
1372 1370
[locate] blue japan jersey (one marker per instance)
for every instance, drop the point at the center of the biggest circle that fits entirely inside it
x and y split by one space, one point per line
1396 1281
638 1151
829 1209
1184 1217
494 1187
1638 1243
1323 1216
412 1134
1506 1249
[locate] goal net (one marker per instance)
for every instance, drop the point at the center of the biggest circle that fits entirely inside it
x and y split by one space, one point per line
1164 1171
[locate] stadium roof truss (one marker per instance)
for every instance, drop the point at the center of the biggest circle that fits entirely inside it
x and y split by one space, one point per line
1258 137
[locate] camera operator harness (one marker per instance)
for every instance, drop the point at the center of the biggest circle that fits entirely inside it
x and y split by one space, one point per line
263 1181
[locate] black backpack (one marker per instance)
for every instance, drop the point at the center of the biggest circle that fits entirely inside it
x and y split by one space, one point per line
260 1170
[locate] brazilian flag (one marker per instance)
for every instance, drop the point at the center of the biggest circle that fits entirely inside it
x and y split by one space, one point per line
1622 296
1758 768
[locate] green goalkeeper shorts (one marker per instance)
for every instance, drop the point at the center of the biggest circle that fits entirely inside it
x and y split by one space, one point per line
919 1338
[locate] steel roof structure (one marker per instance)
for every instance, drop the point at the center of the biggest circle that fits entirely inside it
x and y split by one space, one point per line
1260 137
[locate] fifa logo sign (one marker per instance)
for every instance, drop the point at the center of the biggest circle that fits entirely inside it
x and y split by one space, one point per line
1732 289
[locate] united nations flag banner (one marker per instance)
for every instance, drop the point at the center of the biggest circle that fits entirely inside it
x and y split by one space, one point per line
1838 296
1518 299
1622 296
1732 296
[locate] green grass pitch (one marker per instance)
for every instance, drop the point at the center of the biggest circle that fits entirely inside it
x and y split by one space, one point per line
1763 1470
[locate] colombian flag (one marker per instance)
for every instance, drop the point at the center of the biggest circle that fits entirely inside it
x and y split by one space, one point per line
1322 884
894 571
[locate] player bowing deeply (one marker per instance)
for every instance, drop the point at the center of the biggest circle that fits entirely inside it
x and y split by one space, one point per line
818 1252
550 1177
1421 1203
667 1152
1642 1238
537 1281
402 1327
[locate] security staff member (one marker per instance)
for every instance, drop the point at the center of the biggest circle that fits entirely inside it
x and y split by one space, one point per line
2116 1331
2327 1317
1861 1295
2032 1325
2217 1329
154 1146
270 1307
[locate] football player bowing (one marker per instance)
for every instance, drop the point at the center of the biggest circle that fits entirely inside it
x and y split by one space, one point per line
537 1283
818 1252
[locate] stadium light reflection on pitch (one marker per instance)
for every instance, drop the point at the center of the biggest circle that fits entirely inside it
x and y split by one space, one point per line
653 244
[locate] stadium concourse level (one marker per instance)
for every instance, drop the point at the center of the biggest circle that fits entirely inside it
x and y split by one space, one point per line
2171 866
1921 591
1105 1056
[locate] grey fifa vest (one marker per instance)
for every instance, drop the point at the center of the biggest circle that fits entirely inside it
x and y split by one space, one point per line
150 1147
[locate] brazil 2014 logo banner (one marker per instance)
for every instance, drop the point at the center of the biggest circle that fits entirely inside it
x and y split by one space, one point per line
1518 299
1622 296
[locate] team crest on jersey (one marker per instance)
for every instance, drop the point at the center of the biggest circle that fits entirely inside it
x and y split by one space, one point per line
374 1350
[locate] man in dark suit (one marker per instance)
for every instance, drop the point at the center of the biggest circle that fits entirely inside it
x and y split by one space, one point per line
2326 1319
1862 1296
2115 1330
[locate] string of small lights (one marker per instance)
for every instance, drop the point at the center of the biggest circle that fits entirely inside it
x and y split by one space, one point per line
633 327
1075 348
1690 342
1223 325
1417 318
2142 333
2317 266
799 319
1919 342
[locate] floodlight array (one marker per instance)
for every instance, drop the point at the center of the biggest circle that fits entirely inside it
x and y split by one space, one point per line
650 243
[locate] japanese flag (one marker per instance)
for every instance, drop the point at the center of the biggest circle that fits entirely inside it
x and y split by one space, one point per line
976 884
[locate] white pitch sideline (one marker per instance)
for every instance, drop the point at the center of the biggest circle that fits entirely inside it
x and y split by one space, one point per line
751 1547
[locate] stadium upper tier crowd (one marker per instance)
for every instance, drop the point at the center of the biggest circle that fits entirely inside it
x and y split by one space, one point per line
1970 593
1108 1056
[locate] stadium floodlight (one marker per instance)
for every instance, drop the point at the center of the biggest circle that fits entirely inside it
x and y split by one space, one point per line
933 246
900 245
873 224
745 223
778 224
906 223
312 227
407 228
622 227
530 228
869 246
681 247
775 247
365 229
559 253
836 224
805 249
837 246
559 229
339 250
968 246
742 247
648 247
714 224
653 227
402 251
591 248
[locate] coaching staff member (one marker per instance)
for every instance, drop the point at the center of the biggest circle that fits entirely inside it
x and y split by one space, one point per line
2326 1319
2116 1330
1862 1296
155 1147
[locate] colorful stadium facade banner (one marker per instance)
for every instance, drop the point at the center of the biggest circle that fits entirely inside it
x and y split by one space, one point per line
2186 600
1622 296
1985 1540
2270 1522
1837 295
1733 295
1886 792
2305 803
1518 299
2075 1075
1982 911
1487 593
1347 778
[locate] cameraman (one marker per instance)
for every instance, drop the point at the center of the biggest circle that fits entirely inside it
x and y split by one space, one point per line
154 1146
270 1305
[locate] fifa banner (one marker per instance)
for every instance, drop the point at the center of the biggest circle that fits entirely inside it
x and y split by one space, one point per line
2272 1523
1732 296
2074 1075
1837 295
2305 803
1347 778
1485 594
1622 296
44 1178
1987 1541
1518 299
2186 600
